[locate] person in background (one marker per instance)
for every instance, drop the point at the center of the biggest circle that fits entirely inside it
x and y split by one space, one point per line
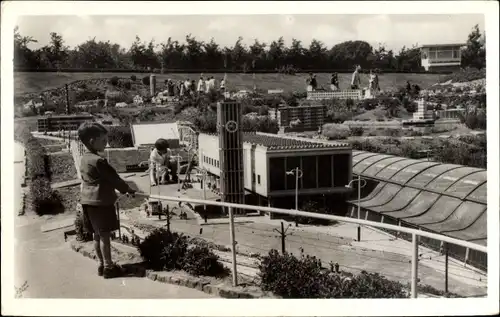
334 82
308 82
201 85
193 87
408 86
182 88
187 84
222 84
161 163
356 80
98 197
314 83
207 85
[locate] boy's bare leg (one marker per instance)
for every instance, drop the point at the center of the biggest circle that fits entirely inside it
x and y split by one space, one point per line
106 248
97 248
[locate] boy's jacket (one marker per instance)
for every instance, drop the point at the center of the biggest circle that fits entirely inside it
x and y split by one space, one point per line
99 181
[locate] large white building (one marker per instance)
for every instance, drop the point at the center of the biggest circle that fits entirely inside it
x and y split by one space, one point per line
326 167
441 56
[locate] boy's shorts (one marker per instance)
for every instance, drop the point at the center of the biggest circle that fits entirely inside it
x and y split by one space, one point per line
101 218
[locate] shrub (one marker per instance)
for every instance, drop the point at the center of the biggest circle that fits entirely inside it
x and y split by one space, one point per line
335 131
374 285
145 80
82 227
114 81
290 277
133 78
356 131
474 120
127 85
44 200
368 104
120 137
201 260
164 250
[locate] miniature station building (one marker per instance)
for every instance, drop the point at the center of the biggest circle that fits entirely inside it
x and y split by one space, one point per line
52 123
300 118
326 167
439 57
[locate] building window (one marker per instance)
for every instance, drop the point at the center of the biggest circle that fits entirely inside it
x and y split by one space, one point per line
342 163
253 178
258 179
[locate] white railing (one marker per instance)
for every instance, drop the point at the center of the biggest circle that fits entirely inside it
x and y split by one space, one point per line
414 232
354 94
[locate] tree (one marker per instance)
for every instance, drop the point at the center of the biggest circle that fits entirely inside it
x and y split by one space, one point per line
56 53
23 56
474 55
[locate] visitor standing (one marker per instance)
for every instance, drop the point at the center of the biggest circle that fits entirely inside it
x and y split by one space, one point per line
201 85
356 80
334 82
98 197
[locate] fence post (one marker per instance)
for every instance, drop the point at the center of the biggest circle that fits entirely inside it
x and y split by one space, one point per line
233 245
414 265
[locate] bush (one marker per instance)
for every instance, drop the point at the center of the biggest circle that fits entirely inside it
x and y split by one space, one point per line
475 120
114 81
164 250
127 85
133 78
356 131
292 277
335 131
145 80
368 104
201 260
44 200
82 227
120 137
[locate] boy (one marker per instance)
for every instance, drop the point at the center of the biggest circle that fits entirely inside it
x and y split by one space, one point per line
98 197
160 163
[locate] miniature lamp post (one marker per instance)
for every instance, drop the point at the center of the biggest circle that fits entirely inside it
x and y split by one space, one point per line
359 179
298 174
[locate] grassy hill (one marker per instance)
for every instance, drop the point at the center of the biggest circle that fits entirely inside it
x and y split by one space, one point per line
32 82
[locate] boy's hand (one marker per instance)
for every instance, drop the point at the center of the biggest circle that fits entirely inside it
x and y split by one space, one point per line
130 192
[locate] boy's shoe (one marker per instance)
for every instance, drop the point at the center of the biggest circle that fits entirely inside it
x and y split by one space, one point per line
112 271
100 270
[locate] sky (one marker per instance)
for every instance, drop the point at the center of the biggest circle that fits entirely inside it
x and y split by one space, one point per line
395 31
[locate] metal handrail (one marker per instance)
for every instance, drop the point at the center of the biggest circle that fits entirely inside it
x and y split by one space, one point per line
414 232
292 212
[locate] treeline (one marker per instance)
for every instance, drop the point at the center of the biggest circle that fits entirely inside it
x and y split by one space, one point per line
195 55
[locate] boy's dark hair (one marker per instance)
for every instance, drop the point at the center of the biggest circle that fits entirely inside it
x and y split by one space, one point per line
90 130
161 145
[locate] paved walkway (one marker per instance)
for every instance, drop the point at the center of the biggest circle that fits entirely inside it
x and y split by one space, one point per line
52 270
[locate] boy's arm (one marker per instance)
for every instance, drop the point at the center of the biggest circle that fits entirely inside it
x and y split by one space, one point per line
109 173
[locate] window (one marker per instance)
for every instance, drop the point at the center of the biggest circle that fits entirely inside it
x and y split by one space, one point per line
342 164
325 171
253 178
456 53
277 173
309 166
258 179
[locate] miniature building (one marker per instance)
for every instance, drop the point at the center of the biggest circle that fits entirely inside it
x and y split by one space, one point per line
422 113
62 122
301 118
441 56
326 166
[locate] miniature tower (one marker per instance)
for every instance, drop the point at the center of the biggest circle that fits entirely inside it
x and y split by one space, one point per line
229 115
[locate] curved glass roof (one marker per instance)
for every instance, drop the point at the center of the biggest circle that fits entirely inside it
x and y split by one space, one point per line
444 198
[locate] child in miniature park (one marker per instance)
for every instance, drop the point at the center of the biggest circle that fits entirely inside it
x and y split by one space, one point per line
98 196
162 164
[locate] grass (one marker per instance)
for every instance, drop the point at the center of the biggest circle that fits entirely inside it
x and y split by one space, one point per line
30 82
